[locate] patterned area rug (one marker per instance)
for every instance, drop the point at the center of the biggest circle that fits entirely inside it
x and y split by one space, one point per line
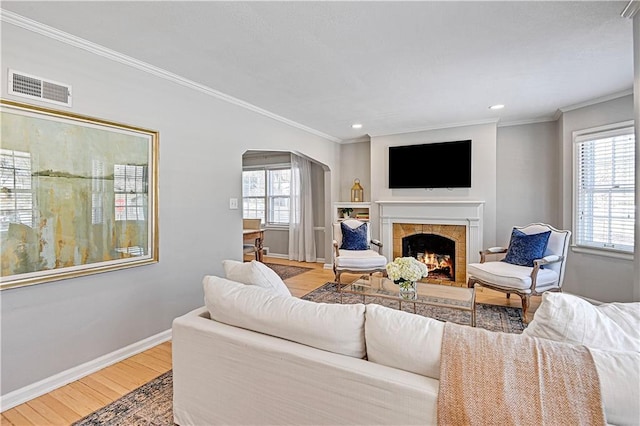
490 317
286 271
151 404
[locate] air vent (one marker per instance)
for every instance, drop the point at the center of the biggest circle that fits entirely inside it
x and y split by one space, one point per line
30 86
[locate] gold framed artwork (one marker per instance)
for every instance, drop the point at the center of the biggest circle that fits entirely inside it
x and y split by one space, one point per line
78 195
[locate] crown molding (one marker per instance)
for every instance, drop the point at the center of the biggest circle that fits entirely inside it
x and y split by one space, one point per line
55 34
439 127
530 121
596 100
557 115
363 138
631 9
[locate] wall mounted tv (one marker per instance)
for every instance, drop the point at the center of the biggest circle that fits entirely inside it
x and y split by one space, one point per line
431 165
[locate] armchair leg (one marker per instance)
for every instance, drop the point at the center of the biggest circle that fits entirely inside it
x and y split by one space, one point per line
525 307
338 273
470 283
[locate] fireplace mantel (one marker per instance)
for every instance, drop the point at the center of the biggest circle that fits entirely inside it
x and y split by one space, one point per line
443 212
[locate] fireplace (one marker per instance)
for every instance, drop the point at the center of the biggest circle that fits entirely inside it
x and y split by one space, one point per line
457 220
435 251
441 247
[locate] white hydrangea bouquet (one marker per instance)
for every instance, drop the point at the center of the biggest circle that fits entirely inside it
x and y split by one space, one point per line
405 271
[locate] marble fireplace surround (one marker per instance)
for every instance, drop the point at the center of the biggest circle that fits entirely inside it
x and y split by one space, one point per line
437 212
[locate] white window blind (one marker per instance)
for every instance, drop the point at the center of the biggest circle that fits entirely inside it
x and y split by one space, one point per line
266 194
16 196
604 189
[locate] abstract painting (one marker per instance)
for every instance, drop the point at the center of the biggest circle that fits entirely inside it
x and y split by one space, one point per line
78 195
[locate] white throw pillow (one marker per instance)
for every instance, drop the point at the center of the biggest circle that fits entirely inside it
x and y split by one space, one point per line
567 318
619 374
255 273
403 340
331 327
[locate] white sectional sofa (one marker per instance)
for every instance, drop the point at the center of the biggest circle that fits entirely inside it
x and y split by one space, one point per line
254 356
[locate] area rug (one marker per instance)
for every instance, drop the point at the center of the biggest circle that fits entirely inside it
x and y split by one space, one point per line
490 317
286 271
151 404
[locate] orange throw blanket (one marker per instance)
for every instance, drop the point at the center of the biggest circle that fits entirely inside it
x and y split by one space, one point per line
489 378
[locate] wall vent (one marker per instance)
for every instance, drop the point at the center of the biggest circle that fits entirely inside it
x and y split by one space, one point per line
32 87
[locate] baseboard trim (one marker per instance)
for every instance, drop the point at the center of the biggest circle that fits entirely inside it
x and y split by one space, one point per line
279 256
286 257
37 389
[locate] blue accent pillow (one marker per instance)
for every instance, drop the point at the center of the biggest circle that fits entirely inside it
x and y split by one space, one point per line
524 249
354 239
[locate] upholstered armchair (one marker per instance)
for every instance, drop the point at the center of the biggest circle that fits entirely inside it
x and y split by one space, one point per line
353 251
533 263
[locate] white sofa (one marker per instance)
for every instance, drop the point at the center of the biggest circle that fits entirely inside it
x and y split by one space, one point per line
270 359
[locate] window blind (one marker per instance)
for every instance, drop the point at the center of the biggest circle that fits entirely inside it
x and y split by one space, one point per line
266 194
605 181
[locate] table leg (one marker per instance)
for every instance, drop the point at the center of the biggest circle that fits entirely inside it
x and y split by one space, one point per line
473 306
259 253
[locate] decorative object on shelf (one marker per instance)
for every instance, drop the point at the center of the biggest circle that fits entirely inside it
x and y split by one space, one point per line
346 212
405 272
357 192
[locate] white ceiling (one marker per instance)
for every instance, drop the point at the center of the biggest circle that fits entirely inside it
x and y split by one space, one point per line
393 66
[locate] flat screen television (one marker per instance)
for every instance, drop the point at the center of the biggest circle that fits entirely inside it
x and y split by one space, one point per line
431 165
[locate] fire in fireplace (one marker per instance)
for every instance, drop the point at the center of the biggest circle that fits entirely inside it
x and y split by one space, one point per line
437 252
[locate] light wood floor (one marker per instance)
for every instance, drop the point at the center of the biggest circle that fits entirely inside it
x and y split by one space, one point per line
74 401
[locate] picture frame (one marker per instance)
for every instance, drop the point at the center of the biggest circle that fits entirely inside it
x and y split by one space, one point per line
78 195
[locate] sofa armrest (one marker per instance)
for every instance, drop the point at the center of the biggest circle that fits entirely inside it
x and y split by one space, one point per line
377 243
537 265
491 250
336 248
217 368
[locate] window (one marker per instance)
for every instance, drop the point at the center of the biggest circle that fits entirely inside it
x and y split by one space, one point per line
266 195
16 198
604 188
129 186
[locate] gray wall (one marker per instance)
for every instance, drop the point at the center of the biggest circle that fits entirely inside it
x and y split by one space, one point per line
355 162
527 177
49 328
318 201
483 172
531 176
595 276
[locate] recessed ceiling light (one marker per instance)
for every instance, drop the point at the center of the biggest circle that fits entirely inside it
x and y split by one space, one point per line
356 126
499 106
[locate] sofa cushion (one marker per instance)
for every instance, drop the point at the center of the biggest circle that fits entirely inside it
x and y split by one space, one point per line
619 374
403 340
360 259
255 273
567 318
331 327
512 276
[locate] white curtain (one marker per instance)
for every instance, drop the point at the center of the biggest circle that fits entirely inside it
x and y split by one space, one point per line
302 244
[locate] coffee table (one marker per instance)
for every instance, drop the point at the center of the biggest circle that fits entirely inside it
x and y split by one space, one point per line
461 298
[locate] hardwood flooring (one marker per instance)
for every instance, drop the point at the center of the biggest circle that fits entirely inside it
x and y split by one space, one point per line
74 401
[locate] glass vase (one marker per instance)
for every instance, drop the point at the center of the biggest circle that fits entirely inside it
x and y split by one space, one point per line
407 289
